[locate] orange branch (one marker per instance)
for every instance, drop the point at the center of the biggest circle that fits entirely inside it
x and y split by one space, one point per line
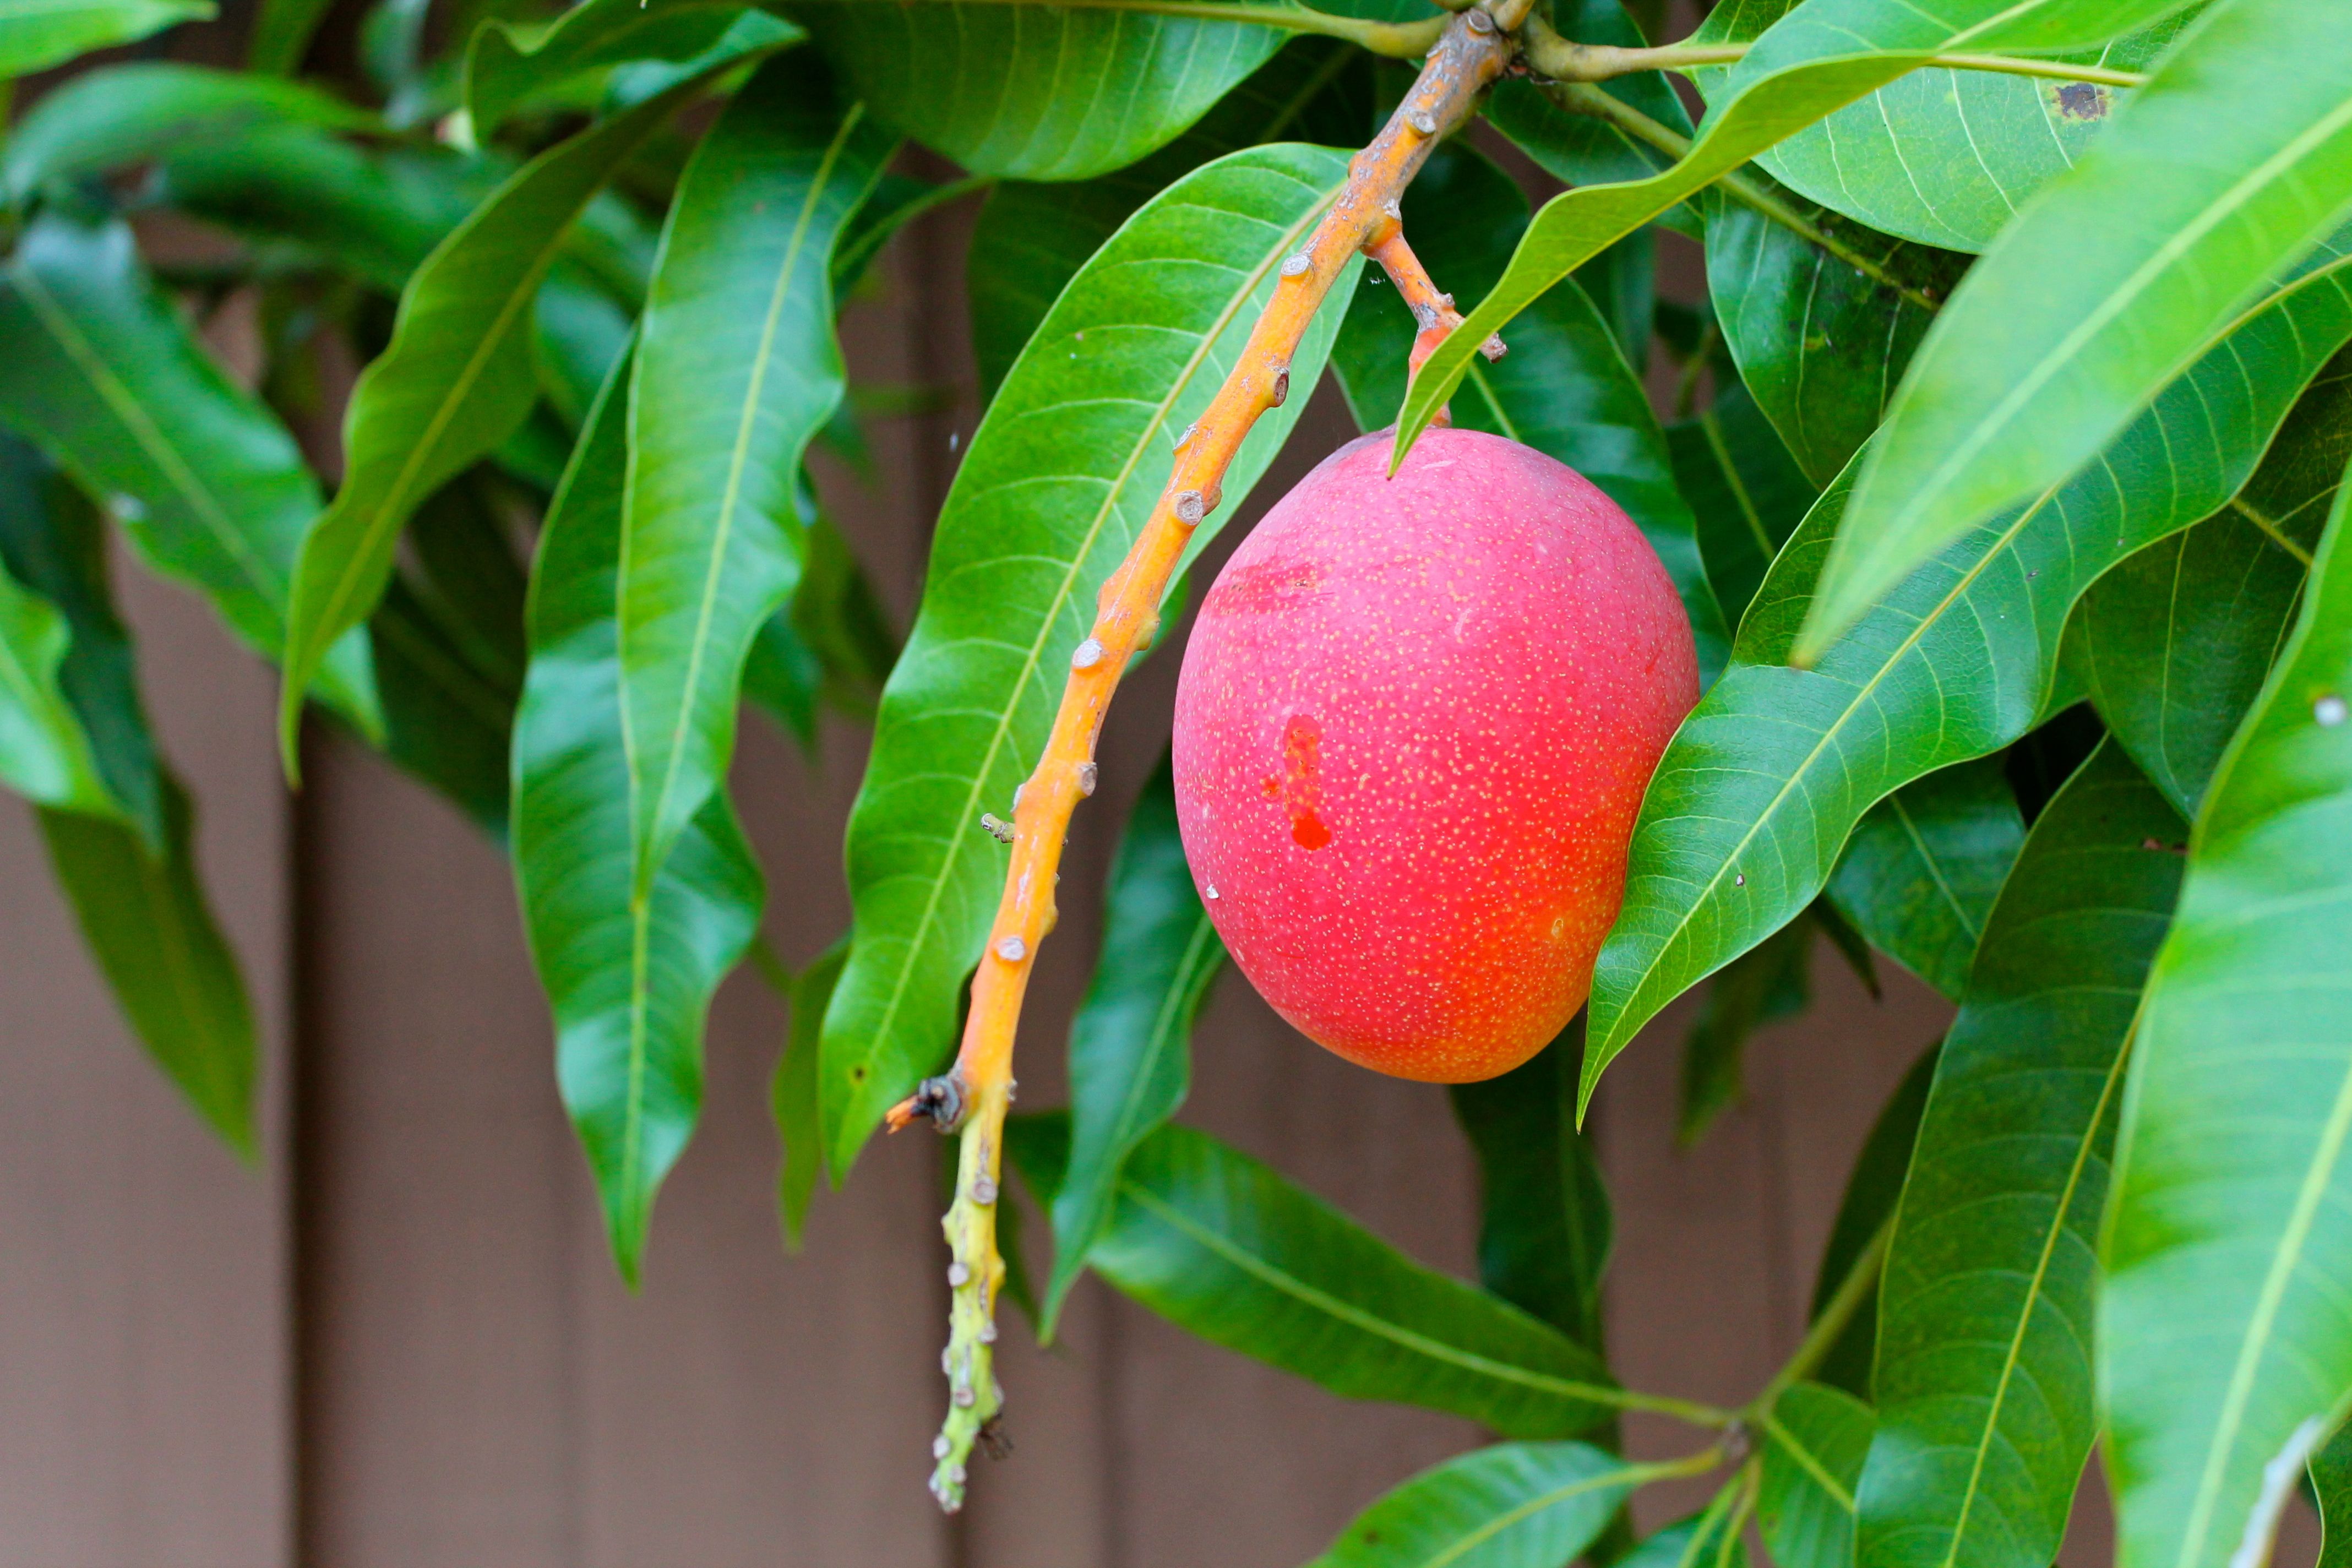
1475 48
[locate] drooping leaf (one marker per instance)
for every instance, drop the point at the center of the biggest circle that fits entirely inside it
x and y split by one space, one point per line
1745 492
1944 157
1227 1250
1564 388
1544 1225
508 63
457 378
1984 1374
43 754
1058 480
1814 1439
1920 872
970 80
1513 1505
1744 820
281 34
2225 1342
1031 237
1820 343
1872 1190
38 34
2174 641
628 977
2232 162
1769 982
1131 1047
1819 60
206 483
737 369
793 1095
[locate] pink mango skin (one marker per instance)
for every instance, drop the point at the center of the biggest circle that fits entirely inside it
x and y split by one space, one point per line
1413 726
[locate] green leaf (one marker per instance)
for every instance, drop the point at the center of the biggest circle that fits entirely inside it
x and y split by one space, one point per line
1984 1374
508 63
145 918
1745 490
1755 797
1058 482
1130 1047
793 1096
1820 343
210 488
1919 875
629 977
456 380
1544 1225
2230 163
281 34
2331 1484
120 115
1814 1440
1564 388
43 754
1032 238
2174 641
1946 157
974 80
1515 1505
2224 1342
738 368
1872 1190
1701 1541
1769 982
1824 57
1227 1250
38 34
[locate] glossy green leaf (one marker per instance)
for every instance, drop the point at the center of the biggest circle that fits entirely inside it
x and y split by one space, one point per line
1745 492
1821 57
1227 1250
1031 237
2331 1484
43 756
1984 1374
1945 157
792 1096
1920 872
1564 388
971 80
2232 162
1058 480
1702 1541
124 114
1814 1439
2225 1321
1769 982
1132 1045
211 491
629 977
508 63
1543 1227
1820 343
2174 641
1515 1505
38 34
1744 819
1871 1190
456 380
281 34
737 369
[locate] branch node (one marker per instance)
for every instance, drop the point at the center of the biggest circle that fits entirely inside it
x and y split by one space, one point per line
998 828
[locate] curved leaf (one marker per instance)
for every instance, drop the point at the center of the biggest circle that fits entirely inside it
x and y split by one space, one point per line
2331 1485
1699 1542
737 369
1814 1439
207 484
2232 162
1744 820
38 34
1515 1505
1745 492
508 63
44 756
1058 482
976 80
457 378
1984 1319
1919 875
2174 642
1227 1250
2225 1321
1132 1045
793 1096
1820 57
628 977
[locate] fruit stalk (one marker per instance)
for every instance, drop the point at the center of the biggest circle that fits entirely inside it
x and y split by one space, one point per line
1475 48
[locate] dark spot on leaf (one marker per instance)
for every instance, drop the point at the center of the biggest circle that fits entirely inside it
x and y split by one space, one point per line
2082 101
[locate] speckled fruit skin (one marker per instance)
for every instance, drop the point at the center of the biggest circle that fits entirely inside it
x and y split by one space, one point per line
1414 724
